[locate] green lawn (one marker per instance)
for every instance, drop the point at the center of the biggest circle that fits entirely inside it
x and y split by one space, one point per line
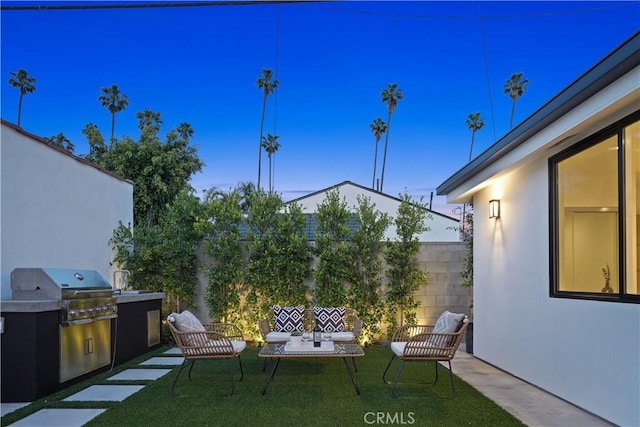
311 392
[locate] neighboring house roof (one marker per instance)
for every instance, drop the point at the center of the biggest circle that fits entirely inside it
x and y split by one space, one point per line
617 63
310 228
366 191
62 150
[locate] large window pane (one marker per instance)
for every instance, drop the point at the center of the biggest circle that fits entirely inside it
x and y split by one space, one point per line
587 185
632 207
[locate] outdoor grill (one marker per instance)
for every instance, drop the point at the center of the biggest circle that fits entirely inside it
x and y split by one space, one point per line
87 307
85 295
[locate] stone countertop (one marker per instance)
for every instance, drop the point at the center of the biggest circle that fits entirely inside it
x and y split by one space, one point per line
36 306
134 296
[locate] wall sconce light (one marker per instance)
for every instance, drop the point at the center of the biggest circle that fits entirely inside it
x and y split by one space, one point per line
494 208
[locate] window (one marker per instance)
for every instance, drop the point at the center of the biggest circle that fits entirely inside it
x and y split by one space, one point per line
595 216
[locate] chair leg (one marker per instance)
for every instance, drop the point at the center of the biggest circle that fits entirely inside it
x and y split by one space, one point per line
193 362
241 371
233 383
384 375
173 393
397 379
453 387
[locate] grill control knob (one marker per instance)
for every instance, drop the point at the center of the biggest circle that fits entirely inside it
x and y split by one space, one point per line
72 313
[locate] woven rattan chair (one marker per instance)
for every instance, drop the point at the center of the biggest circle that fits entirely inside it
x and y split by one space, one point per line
418 343
218 341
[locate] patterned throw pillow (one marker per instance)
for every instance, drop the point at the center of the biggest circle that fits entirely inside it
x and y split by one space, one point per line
330 319
288 319
448 322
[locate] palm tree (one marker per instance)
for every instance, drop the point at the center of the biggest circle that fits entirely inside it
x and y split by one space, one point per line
390 96
23 81
114 101
515 87
149 120
474 123
378 127
185 131
270 145
264 82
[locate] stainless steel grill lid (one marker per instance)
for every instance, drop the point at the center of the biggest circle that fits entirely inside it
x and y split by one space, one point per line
54 283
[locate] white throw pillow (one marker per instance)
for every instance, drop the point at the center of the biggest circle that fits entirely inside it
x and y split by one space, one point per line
448 322
187 322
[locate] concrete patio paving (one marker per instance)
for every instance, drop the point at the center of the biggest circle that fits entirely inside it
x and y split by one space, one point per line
531 405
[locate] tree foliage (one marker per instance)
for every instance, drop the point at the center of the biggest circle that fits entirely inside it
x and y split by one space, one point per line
159 170
114 101
162 257
390 96
334 269
25 83
60 140
267 85
367 250
221 228
278 257
404 273
515 86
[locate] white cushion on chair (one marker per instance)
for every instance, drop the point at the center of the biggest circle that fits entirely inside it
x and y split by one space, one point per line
342 336
278 336
398 347
448 322
238 346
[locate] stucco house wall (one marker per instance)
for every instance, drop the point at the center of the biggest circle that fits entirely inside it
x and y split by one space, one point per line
584 351
56 209
442 227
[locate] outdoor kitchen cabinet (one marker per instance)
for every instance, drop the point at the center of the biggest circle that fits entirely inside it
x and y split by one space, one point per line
30 355
31 344
137 329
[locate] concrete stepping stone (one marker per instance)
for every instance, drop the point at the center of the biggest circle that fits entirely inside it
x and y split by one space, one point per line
139 374
7 408
166 361
175 350
101 393
59 418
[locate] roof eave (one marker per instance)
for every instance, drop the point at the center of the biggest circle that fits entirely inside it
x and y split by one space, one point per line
613 66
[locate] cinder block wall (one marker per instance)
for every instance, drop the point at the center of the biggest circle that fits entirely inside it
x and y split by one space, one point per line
442 260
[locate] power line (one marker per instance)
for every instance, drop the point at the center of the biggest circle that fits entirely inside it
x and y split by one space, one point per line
139 5
486 70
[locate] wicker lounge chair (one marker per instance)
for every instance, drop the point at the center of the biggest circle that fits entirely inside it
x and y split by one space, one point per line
215 341
420 343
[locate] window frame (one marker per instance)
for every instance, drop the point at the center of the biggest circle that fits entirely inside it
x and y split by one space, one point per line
621 296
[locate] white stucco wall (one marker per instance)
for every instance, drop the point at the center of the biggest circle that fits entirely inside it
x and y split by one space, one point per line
587 352
56 211
441 228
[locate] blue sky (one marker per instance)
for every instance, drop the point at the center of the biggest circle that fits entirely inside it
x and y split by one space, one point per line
200 65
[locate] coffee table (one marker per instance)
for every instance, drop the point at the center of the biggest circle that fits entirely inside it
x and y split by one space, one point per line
341 350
